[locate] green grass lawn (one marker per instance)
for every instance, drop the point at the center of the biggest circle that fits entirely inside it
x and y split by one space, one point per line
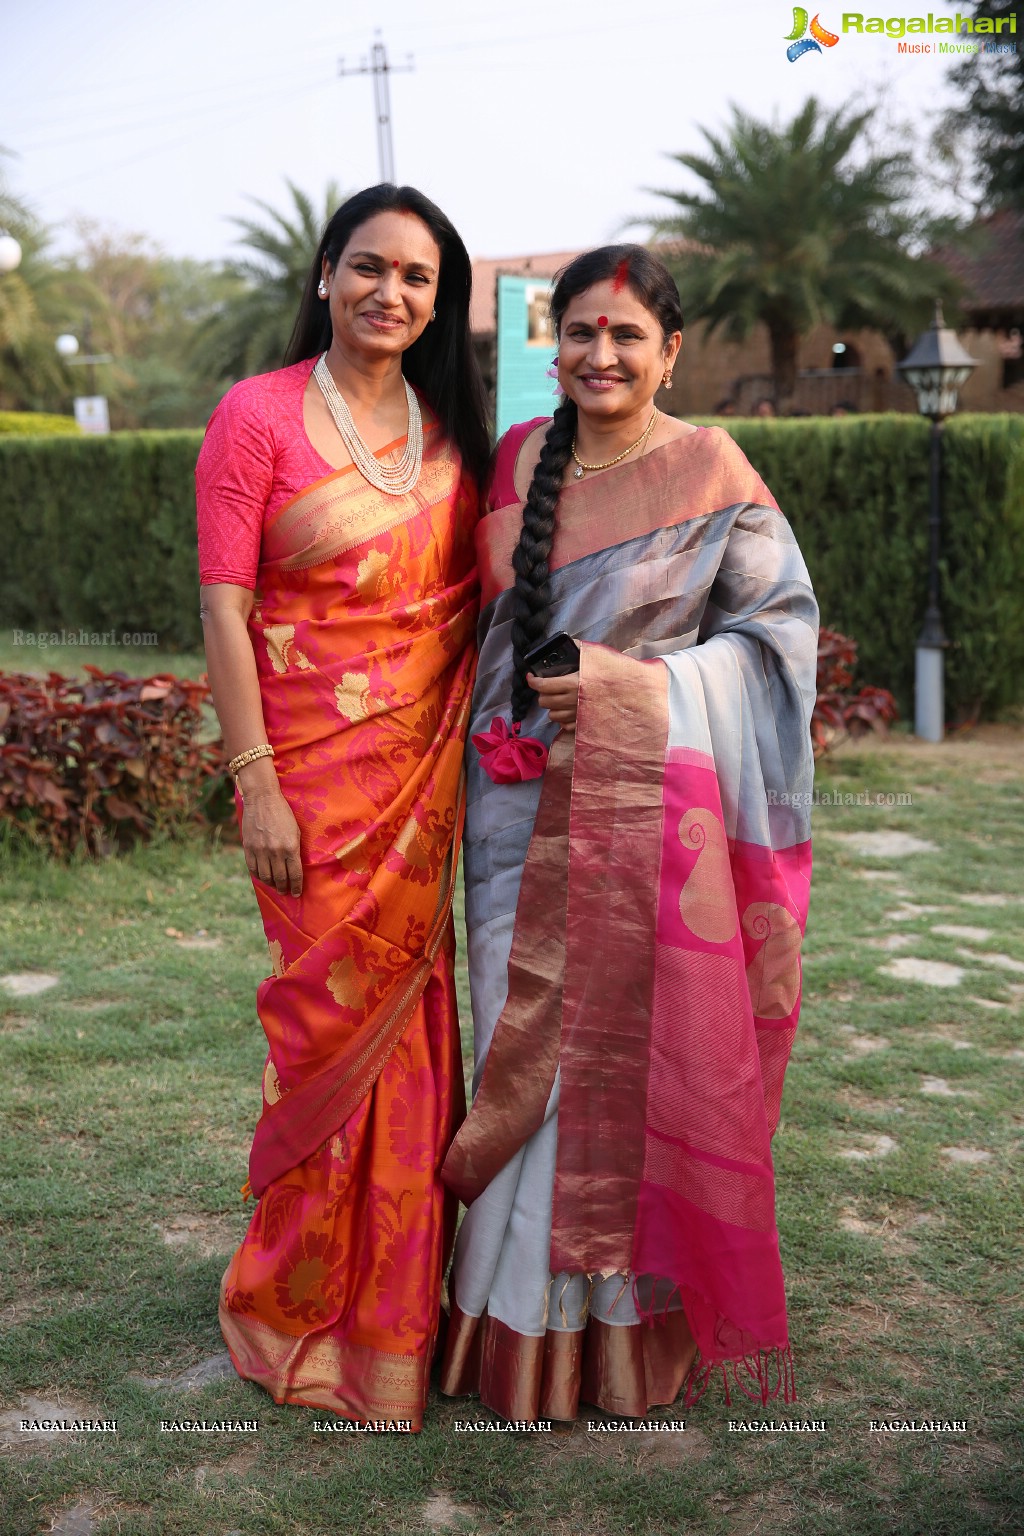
128 1092
42 651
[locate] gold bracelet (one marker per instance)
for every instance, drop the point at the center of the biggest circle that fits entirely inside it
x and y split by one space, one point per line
238 762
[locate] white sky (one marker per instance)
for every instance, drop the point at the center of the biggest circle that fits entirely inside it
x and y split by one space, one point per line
536 126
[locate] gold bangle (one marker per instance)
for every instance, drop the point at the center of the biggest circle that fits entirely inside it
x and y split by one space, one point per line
238 762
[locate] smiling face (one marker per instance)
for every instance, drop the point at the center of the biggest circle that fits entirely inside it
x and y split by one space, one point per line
383 288
611 353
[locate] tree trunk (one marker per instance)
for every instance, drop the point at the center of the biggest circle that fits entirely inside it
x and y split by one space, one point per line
784 343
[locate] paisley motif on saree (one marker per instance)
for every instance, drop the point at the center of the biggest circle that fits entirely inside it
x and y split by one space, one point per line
362 627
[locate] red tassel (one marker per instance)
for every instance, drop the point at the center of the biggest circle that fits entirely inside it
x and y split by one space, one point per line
508 757
752 1367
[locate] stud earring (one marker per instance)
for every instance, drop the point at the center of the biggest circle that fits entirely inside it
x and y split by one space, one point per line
322 289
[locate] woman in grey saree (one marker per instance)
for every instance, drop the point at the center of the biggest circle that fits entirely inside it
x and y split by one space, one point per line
635 904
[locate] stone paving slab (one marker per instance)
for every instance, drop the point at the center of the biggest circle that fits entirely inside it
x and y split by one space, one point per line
214 1368
883 845
930 973
27 983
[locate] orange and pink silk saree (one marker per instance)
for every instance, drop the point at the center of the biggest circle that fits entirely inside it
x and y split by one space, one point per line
362 629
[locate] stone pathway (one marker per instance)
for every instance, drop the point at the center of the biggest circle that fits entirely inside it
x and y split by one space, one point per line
13 1437
1001 962
208 1235
938 1088
214 1368
27 983
883 845
873 1146
932 973
862 1045
76 1521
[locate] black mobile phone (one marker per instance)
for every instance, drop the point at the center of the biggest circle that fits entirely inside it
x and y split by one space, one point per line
555 657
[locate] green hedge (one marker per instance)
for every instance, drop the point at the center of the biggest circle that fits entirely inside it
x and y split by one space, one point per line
37 424
856 492
99 534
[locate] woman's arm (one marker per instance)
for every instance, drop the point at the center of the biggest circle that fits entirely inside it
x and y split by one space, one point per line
270 834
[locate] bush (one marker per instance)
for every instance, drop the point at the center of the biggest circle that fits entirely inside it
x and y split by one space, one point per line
37 424
97 765
856 492
838 711
100 535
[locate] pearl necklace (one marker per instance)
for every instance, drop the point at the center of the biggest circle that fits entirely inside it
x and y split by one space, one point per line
640 443
392 479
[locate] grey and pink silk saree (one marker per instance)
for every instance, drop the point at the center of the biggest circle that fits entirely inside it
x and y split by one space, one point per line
635 918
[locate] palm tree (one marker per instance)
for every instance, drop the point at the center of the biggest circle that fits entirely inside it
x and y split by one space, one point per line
792 230
251 331
37 301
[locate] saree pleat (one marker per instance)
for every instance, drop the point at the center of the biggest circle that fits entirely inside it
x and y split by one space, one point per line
362 628
622 1368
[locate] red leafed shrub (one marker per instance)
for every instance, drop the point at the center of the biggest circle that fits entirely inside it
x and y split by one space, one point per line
98 764
838 711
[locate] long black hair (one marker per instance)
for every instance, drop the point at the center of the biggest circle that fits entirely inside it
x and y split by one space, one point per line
652 284
441 362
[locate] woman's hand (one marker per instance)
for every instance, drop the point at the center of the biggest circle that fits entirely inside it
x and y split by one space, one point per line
270 837
559 696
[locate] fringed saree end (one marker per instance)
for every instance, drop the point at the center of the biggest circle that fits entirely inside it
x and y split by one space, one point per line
761 1374
762 1377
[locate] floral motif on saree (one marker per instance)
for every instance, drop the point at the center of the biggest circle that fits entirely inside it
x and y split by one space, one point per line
362 628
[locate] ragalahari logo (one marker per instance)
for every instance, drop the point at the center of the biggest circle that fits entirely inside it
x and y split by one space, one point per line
799 43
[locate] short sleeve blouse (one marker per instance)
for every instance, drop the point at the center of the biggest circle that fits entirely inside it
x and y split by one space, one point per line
254 458
502 488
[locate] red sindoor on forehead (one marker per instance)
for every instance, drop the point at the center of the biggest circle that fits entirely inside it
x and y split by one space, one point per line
602 322
621 275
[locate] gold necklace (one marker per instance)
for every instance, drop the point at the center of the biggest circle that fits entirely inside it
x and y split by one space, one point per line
641 440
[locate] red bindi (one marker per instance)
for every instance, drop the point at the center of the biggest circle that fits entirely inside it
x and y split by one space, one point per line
395 263
602 322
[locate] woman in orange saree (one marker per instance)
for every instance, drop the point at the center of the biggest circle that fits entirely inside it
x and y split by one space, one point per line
355 667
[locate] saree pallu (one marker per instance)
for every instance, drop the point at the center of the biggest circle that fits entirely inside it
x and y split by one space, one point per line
635 921
362 628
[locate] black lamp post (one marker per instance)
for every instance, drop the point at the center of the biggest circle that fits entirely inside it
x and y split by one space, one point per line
935 367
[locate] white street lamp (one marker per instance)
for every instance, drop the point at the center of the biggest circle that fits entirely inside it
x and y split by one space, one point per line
935 367
10 253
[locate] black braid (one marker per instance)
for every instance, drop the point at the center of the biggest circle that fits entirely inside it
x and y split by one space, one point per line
651 282
530 560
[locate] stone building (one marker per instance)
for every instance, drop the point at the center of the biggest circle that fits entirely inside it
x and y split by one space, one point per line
992 322
850 368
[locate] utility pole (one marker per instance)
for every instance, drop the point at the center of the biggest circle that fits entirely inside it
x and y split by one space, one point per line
377 65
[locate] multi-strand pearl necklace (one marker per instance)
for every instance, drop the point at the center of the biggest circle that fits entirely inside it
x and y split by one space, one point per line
393 479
